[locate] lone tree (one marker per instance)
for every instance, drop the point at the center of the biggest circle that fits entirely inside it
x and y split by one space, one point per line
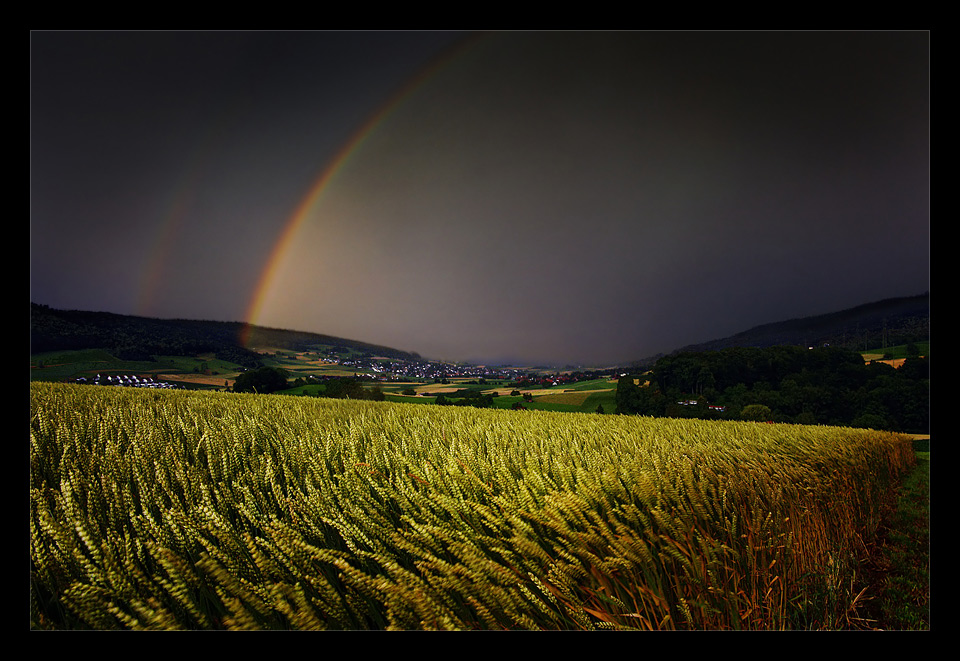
756 412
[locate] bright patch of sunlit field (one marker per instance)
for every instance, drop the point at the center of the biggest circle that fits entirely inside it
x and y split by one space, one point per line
203 510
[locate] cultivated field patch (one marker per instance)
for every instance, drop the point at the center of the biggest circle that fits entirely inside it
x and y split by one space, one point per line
205 510
573 397
199 379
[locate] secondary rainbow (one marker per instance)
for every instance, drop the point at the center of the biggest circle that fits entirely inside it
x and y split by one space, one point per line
179 202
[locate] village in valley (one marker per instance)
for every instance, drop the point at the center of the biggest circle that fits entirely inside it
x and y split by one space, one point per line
348 371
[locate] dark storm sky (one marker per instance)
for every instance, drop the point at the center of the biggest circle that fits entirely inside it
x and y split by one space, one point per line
566 197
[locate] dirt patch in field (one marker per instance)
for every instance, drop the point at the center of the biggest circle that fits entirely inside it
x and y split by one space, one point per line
895 362
875 357
428 389
573 397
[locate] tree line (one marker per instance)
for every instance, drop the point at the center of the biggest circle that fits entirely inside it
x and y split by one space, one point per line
826 385
266 380
135 338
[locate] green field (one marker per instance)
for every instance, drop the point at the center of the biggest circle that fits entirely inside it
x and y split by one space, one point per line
571 399
71 365
900 350
197 372
205 510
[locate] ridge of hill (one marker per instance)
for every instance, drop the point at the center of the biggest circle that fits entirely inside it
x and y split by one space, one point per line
881 323
132 337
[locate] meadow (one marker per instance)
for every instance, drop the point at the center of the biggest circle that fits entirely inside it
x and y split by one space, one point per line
206 510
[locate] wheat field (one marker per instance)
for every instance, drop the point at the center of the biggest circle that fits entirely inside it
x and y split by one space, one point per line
200 510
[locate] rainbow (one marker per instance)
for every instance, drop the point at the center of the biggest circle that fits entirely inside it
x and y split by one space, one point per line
152 275
178 205
303 210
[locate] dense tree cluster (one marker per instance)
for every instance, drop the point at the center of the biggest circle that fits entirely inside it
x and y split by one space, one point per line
559 378
808 386
467 397
263 381
350 388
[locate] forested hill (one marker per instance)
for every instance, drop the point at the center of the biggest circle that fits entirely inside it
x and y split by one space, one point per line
826 385
138 338
888 322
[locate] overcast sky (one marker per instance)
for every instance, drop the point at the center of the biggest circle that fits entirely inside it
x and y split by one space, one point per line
564 197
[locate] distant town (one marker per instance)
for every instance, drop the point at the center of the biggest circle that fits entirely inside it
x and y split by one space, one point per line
385 370
380 369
